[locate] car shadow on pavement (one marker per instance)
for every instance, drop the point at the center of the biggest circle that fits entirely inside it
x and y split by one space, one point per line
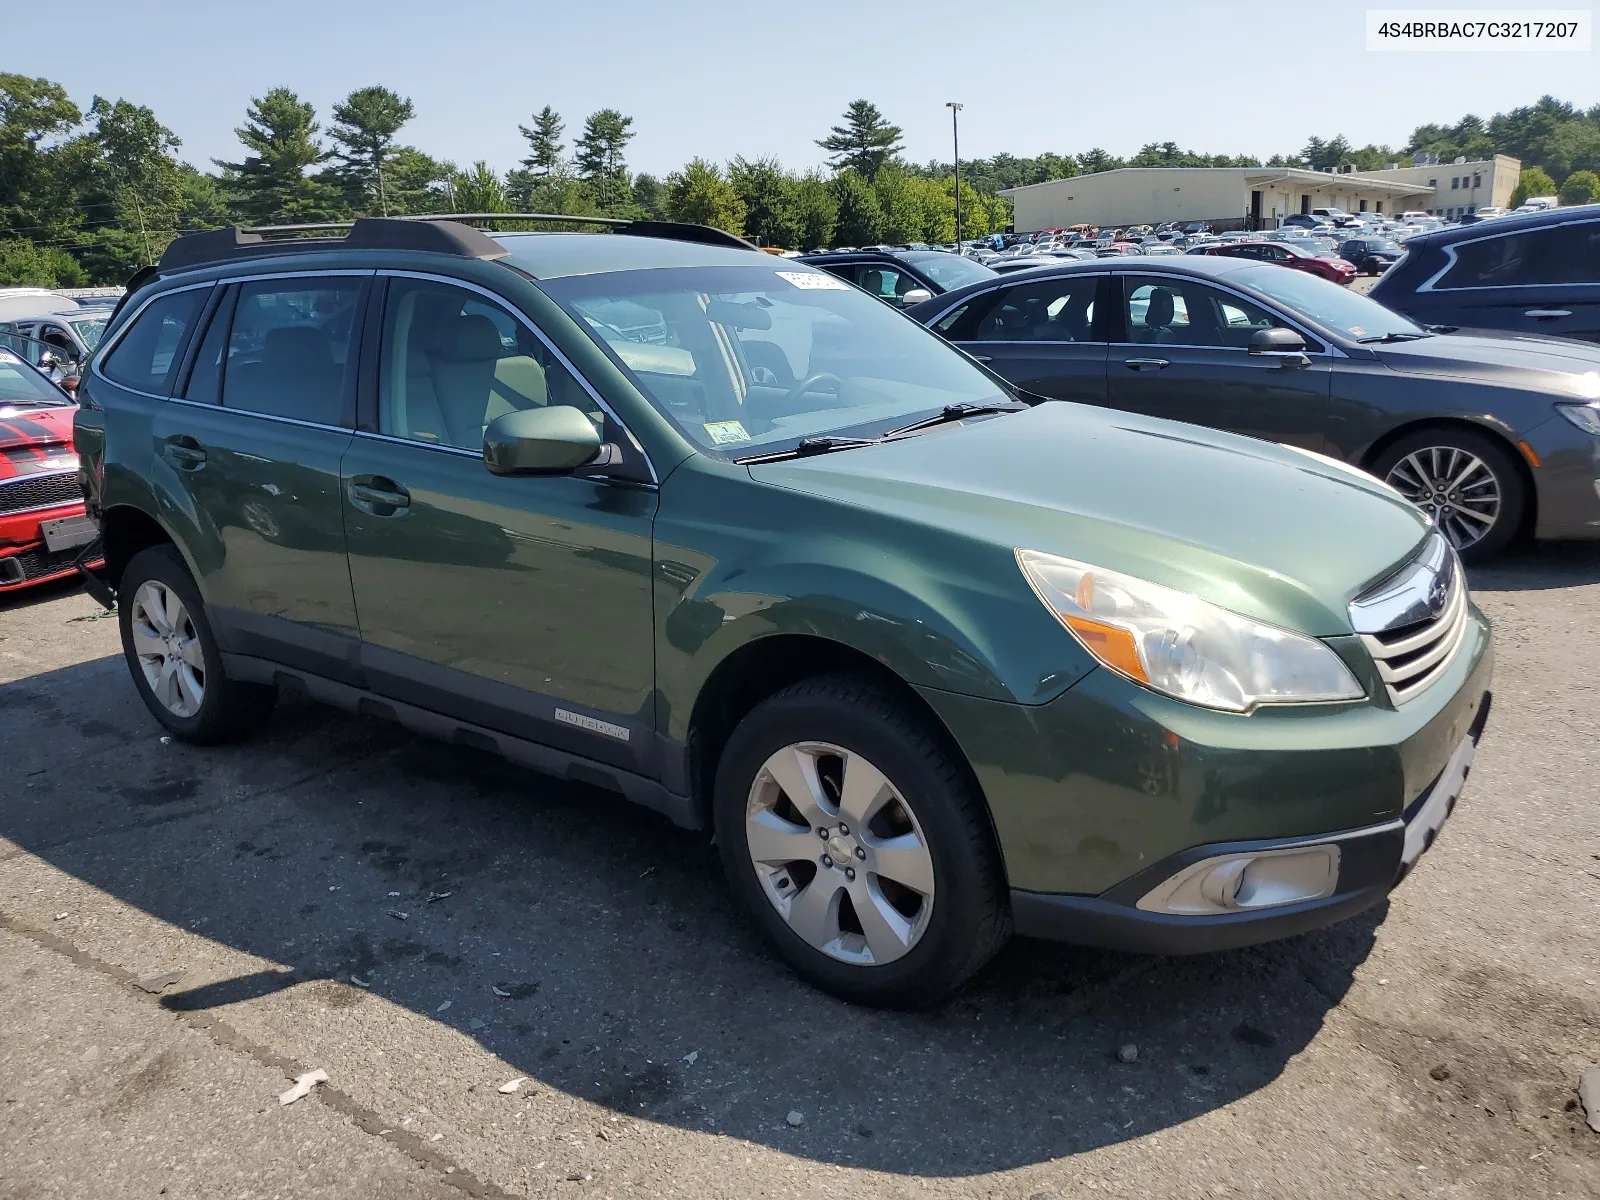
594 948
1538 567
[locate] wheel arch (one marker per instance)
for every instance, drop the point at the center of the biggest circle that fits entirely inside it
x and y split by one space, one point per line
1463 424
765 666
125 530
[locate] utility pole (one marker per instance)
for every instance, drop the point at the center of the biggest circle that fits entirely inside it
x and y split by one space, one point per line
144 233
955 140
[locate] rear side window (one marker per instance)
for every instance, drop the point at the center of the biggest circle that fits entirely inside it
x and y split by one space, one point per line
1055 310
148 356
1554 254
290 348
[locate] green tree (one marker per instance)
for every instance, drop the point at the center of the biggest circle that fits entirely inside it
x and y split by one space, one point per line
22 263
479 190
768 194
1532 182
1581 187
271 184
134 194
647 194
1098 160
865 142
364 127
560 191
816 212
700 194
600 160
39 176
860 220
544 141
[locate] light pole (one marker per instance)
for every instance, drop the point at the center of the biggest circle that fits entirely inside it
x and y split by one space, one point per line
955 141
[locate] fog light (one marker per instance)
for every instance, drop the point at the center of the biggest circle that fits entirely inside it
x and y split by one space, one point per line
1249 881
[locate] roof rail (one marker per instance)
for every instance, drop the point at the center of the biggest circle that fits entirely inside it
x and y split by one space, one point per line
440 233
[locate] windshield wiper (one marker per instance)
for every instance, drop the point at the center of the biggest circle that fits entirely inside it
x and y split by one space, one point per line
960 412
1392 337
807 447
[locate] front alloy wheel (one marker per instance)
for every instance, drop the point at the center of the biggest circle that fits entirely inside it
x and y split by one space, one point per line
1456 487
168 648
839 853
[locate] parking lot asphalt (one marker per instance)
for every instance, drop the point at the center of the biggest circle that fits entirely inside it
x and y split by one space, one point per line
183 931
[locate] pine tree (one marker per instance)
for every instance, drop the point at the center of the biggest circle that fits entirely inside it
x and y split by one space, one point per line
271 184
364 128
864 142
599 159
544 141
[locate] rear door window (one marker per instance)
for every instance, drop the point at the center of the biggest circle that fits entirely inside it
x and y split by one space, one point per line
1054 310
1552 254
291 348
147 357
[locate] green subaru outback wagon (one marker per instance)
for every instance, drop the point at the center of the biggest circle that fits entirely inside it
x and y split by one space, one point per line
717 531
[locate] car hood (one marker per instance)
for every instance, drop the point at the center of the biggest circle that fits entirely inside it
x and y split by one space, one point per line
1525 361
35 426
1275 533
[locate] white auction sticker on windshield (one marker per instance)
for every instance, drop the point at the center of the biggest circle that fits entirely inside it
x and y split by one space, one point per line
7 357
726 433
815 281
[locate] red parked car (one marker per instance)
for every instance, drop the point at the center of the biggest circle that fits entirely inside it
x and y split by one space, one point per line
1337 270
42 524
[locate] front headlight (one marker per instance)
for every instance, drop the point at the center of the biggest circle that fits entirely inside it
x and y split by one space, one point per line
1585 416
1181 645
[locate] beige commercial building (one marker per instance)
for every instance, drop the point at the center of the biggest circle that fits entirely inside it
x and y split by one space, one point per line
1257 197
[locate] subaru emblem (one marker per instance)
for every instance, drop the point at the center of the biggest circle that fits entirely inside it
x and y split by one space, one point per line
1438 592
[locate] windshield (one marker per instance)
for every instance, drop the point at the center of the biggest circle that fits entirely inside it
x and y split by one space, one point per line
1327 303
90 329
949 271
750 360
21 384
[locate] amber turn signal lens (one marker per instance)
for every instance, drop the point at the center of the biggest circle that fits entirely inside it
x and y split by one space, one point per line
1112 646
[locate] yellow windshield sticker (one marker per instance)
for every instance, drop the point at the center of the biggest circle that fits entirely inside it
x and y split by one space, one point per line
726 433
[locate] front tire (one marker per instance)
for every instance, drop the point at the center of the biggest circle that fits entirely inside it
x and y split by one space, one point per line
856 838
173 657
1467 481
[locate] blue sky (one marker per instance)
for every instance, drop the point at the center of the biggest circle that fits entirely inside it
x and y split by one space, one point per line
717 78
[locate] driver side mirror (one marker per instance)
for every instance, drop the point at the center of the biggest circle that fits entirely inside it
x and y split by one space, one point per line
1285 345
558 440
915 296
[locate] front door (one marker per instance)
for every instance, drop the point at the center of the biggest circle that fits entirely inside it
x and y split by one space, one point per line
1185 357
517 603
1043 337
253 441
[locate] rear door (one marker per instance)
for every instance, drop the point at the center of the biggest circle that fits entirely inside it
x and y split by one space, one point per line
1047 336
250 449
1183 353
1544 280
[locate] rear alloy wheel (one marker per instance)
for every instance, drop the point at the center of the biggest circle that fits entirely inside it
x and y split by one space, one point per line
173 655
1464 481
855 836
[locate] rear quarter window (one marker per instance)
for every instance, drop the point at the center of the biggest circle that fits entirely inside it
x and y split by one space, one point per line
147 356
1552 254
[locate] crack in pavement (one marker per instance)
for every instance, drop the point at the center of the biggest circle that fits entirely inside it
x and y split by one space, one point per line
224 1035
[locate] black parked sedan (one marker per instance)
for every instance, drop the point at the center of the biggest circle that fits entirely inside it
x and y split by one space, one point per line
901 277
1493 435
1538 273
1370 255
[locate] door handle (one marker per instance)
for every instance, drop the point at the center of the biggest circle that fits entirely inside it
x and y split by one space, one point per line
184 452
1145 364
1547 313
373 492
983 358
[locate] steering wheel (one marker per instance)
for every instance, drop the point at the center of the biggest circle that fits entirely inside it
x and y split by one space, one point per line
809 382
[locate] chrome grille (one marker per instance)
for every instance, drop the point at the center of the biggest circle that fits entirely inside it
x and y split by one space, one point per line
1414 622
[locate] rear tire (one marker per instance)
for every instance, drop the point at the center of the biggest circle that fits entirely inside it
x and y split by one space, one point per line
896 910
1459 477
173 657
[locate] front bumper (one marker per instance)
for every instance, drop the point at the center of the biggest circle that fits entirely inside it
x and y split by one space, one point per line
1096 790
1371 862
25 558
1567 480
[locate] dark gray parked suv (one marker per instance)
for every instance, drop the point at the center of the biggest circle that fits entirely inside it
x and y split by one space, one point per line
1538 273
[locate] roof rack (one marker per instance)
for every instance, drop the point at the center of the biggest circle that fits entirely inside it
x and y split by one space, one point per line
439 233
